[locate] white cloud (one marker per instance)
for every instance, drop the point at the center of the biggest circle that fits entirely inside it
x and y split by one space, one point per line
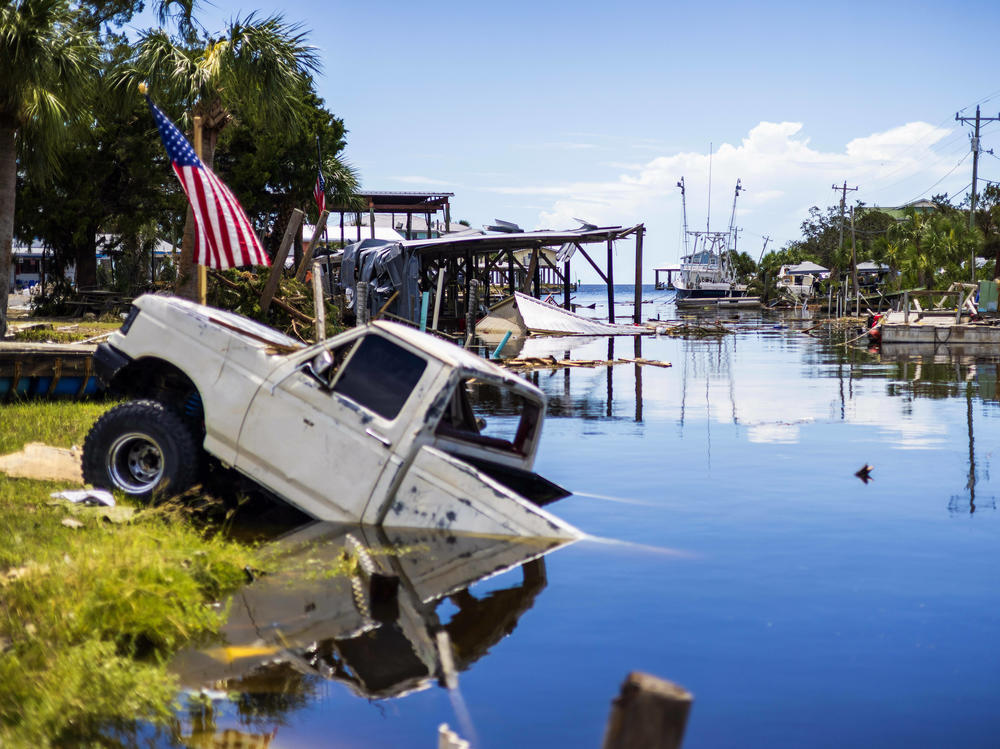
558 145
782 174
417 180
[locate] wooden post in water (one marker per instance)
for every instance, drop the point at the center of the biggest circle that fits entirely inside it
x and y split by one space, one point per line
611 280
637 315
648 713
566 286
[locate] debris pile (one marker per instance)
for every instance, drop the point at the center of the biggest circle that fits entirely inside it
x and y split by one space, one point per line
291 309
687 330
550 362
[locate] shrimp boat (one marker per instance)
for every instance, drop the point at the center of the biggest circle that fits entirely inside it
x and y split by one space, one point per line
707 276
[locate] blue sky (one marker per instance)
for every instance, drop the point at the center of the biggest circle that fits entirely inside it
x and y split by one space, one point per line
537 112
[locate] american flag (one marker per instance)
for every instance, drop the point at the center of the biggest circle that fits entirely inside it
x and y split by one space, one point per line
319 192
223 235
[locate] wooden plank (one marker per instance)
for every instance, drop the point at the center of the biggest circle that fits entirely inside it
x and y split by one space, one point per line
591 261
279 260
530 275
56 375
300 316
310 248
15 380
319 303
650 362
87 372
384 307
649 712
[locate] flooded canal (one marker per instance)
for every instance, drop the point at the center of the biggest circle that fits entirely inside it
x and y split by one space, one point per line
732 550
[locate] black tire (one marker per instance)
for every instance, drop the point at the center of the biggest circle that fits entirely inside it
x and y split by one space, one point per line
142 448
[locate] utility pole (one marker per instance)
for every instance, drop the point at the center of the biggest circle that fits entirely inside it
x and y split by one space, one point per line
843 201
854 270
975 174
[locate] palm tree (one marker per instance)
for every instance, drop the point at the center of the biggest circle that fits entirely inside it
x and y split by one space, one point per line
46 58
254 71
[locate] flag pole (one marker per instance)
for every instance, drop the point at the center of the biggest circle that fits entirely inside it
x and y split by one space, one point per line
319 158
201 270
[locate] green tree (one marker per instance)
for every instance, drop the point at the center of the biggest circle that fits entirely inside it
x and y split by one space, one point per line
46 60
253 72
988 222
932 249
113 180
274 171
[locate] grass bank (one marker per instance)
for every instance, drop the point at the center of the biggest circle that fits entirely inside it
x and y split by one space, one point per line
93 604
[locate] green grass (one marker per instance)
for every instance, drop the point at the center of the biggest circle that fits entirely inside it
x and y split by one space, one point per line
56 423
64 332
90 615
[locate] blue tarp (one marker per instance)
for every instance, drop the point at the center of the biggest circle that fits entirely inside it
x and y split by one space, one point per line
386 267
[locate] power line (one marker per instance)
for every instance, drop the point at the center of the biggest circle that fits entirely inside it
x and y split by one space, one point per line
950 172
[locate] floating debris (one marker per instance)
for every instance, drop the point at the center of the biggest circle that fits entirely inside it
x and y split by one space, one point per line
694 331
550 362
864 473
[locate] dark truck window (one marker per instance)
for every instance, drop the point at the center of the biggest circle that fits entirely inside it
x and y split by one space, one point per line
380 376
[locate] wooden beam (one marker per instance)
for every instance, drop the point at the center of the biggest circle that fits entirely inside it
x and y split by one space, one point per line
307 253
530 276
278 266
591 261
545 258
319 301
396 207
637 314
611 280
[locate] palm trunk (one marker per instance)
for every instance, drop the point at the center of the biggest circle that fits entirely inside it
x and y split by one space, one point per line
8 180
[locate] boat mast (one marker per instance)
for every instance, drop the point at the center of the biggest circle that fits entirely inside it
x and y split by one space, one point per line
685 211
732 232
708 216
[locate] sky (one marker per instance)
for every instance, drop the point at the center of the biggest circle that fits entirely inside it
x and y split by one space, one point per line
543 112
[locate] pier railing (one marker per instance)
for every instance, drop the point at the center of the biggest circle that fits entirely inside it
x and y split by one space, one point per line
965 294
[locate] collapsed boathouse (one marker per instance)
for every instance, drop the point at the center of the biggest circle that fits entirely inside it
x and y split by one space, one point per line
445 283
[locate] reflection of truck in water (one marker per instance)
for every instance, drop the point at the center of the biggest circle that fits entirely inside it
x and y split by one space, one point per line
373 426
381 640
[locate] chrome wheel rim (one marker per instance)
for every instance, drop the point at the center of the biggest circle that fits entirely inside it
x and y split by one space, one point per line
135 463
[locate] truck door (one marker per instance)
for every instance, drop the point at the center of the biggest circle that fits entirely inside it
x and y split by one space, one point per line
323 442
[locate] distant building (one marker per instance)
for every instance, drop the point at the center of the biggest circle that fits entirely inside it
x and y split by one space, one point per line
900 212
30 260
26 270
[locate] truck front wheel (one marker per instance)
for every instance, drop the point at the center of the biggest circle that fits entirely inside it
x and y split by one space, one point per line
141 448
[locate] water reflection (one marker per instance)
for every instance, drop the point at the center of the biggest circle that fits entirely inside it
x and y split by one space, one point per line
363 607
940 371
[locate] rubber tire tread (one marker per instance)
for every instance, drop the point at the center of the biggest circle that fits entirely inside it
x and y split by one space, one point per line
181 450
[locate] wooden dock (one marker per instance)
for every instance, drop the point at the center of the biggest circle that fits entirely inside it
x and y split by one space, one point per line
47 370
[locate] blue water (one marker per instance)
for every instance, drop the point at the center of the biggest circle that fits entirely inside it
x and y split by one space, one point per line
800 606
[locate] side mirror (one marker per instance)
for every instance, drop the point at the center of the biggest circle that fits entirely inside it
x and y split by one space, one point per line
320 366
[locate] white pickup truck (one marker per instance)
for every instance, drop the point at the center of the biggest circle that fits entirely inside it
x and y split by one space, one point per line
373 426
